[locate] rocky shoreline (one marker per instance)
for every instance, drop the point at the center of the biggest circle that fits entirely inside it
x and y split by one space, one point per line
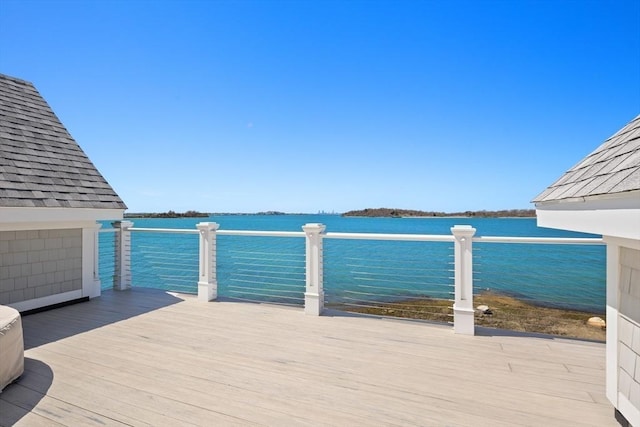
505 312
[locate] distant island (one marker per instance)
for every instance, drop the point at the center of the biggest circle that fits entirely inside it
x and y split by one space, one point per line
192 214
376 212
402 213
271 213
169 214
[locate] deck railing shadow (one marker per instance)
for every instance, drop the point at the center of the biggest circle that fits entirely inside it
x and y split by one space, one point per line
484 331
43 327
332 312
111 307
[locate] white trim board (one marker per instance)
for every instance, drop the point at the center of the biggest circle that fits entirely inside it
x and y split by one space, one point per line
45 301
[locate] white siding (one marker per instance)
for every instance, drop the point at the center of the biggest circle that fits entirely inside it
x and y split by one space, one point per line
629 329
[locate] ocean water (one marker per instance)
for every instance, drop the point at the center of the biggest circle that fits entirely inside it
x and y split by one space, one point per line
363 272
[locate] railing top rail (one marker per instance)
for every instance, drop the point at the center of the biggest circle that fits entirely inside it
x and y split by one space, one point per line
540 240
382 236
166 230
261 233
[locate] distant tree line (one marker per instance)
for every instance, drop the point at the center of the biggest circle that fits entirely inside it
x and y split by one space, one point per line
397 213
271 213
169 214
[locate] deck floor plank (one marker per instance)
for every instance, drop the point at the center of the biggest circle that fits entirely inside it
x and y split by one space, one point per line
145 357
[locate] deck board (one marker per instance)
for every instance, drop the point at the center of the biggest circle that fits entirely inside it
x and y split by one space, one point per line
145 357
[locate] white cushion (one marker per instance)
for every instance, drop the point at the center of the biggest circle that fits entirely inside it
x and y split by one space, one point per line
11 346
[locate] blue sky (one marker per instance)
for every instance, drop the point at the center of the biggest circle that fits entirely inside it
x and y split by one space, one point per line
301 106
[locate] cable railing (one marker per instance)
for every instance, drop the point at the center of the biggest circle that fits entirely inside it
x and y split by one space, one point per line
106 257
389 278
167 259
543 271
429 277
261 269
541 283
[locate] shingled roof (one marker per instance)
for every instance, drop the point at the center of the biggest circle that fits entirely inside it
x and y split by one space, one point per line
612 168
40 163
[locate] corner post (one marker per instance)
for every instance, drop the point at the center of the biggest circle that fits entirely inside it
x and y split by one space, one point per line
207 277
612 316
463 320
122 247
314 294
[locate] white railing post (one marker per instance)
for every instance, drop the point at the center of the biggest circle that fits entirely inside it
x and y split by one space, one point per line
463 320
314 294
122 247
207 278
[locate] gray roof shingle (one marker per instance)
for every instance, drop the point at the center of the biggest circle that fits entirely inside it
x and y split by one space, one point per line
41 165
612 168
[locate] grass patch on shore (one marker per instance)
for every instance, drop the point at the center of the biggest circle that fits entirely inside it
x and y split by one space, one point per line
507 313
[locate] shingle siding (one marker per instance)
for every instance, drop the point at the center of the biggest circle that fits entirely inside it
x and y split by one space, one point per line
40 163
39 263
612 168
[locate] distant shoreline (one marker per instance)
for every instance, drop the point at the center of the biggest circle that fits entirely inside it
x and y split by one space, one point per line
364 213
407 213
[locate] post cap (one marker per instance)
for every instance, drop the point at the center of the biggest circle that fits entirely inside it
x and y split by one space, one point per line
314 227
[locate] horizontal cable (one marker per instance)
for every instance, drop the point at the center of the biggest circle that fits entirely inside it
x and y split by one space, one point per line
296 279
186 255
550 278
269 265
270 302
296 270
394 290
180 279
405 304
275 291
393 295
108 230
405 282
243 252
373 267
401 289
406 276
157 267
165 230
177 265
301 299
168 255
392 258
298 288
298 261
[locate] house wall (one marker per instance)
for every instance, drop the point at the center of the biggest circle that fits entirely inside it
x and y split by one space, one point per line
39 263
628 343
16 223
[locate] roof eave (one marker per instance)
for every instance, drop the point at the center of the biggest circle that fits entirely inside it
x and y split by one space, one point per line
622 200
22 215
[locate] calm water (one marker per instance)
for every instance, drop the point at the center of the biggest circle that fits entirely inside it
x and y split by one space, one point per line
272 269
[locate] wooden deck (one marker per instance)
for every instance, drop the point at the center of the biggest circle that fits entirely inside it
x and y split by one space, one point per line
145 357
